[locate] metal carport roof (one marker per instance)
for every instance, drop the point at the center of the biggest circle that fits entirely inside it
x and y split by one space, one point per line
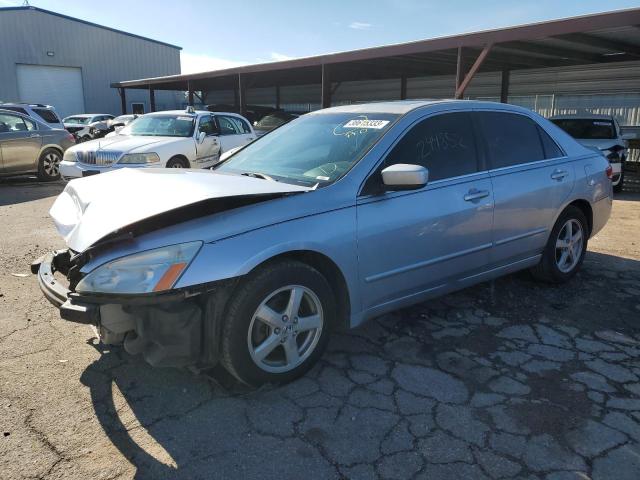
589 39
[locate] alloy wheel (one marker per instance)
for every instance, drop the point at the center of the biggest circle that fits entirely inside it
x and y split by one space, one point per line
285 329
51 164
569 245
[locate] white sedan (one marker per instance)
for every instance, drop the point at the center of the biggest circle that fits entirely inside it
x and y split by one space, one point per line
172 139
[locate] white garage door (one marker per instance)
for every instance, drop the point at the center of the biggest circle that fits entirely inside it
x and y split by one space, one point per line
57 86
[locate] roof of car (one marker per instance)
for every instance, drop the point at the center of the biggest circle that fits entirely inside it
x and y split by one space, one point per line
582 116
88 115
401 107
24 104
194 113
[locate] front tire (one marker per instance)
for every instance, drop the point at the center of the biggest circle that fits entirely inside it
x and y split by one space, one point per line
49 165
177 162
277 324
566 247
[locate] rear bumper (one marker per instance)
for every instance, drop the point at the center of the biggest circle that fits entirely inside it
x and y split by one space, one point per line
601 213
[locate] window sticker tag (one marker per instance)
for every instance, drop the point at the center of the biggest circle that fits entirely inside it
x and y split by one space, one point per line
375 124
602 124
185 118
320 177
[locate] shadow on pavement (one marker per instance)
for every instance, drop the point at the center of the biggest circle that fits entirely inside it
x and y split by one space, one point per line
514 360
26 189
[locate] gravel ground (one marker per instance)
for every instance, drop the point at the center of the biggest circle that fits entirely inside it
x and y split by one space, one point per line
514 380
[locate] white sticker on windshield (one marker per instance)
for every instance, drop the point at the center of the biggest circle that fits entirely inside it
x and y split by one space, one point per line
602 124
185 118
322 178
375 124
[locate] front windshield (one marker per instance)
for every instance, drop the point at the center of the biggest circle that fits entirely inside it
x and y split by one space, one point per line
273 120
588 129
312 149
161 126
77 120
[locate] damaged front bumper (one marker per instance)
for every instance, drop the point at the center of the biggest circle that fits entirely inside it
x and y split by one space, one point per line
175 328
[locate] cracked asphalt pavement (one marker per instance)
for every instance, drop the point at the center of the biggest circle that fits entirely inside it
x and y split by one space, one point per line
514 379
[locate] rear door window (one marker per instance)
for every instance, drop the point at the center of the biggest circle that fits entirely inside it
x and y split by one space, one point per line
232 125
444 144
510 138
551 148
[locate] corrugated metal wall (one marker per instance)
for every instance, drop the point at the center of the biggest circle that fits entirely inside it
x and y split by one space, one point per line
612 88
103 55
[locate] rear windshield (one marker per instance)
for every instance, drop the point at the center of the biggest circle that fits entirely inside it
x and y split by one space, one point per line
47 115
592 129
77 120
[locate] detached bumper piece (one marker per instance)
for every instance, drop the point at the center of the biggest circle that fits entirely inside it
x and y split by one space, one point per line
57 293
166 329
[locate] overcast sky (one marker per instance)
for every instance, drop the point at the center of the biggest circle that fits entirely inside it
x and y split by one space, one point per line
221 34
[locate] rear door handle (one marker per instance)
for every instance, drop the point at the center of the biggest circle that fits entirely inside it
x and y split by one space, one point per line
559 174
475 195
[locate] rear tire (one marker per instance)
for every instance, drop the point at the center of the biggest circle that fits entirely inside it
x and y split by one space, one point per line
565 249
299 307
618 188
49 165
177 162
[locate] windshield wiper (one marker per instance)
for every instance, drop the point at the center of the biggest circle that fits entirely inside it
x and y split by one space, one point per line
258 175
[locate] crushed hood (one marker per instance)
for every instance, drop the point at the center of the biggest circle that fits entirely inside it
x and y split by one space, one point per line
91 208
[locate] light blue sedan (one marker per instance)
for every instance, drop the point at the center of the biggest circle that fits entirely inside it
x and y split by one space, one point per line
336 217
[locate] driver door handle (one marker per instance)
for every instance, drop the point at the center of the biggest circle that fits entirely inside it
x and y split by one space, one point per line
559 174
475 195
34 135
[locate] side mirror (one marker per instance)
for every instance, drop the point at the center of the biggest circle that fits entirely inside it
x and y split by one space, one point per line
402 176
201 137
629 136
117 124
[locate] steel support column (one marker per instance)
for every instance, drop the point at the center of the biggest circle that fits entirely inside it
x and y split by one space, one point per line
504 86
460 69
326 87
472 71
242 94
189 94
123 100
403 88
152 99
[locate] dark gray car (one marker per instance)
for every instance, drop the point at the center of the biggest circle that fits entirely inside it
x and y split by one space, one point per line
30 146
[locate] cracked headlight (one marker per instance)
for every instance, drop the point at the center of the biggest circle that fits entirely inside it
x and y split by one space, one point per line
70 156
151 157
151 271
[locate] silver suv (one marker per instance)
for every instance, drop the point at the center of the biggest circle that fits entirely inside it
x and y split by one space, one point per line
43 113
30 146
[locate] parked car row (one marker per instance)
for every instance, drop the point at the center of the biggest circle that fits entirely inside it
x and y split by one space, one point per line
601 133
334 218
172 139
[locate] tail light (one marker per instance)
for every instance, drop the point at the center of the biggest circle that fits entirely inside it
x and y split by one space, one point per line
71 138
609 172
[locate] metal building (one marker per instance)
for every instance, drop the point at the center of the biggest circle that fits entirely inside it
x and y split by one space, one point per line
70 63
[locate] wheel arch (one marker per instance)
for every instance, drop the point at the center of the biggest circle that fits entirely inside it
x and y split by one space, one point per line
181 157
330 270
44 148
586 209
